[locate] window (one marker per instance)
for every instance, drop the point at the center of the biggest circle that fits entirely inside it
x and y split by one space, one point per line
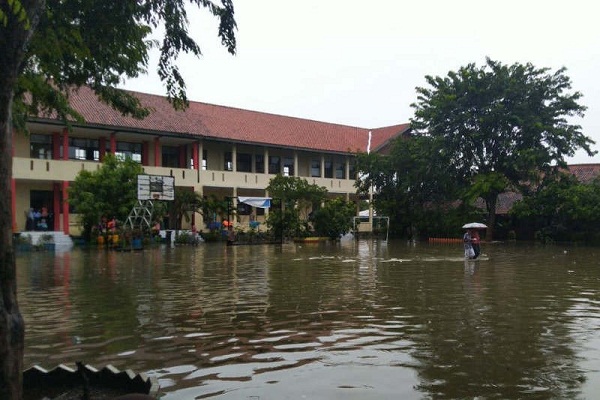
352 172
244 162
40 146
274 165
170 156
288 166
82 149
228 166
129 150
315 168
340 169
259 164
328 168
204 160
244 209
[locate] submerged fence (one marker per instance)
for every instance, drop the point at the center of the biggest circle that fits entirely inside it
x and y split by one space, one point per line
445 240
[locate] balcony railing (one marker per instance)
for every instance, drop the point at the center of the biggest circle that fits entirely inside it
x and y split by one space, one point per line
61 170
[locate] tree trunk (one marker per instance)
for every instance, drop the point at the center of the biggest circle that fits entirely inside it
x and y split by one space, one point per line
491 220
14 37
11 323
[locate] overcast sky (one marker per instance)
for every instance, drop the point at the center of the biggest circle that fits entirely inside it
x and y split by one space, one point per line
357 62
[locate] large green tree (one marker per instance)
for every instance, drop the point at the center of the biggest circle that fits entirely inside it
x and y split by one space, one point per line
297 198
334 218
561 209
411 187
109 192
47 49
501 127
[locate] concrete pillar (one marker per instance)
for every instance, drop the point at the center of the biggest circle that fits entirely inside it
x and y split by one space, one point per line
234 158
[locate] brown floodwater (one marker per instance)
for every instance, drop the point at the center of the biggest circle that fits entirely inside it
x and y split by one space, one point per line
355 320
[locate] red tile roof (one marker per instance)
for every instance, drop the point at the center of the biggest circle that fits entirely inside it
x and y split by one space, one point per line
585 173
233 124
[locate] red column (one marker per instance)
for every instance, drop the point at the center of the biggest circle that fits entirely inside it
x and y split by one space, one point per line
113 143
157 152
56 207
65 144
65 207
195 156
13 203
55 146
102 149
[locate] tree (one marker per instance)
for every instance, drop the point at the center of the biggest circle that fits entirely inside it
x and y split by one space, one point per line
109 192
562 209
297 198
334 219
51 47
501 127
410 187
214 209
186 201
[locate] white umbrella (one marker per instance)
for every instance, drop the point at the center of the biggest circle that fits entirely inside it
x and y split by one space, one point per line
474 225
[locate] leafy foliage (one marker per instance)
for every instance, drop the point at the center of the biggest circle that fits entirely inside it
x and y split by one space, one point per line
86 42
214 209
334 219
296 197
499 126
15 8
562 209
111 191
185 203
49 48
411 187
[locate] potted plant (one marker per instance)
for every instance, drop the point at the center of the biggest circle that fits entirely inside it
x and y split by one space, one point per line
23 242
46 242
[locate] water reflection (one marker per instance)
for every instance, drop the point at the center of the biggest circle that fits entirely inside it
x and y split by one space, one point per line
364 320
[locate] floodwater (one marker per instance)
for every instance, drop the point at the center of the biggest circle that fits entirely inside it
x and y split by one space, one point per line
355 320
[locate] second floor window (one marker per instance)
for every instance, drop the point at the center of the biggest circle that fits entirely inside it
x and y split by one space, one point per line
328 173
170 156
288 166
340 169
129 150
244 162
315 168
83 149
274 165
352 172
40 146
259 164
228 166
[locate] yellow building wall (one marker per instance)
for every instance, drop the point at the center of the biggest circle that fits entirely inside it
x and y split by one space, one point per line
21 144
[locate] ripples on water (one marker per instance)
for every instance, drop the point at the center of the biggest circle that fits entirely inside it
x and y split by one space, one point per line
359 320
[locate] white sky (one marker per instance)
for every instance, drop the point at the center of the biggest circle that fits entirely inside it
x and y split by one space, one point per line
357 62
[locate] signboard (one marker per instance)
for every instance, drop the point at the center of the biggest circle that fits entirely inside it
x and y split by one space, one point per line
155 187
258 202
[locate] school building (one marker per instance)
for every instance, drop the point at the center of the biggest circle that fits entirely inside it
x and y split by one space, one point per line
210 149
